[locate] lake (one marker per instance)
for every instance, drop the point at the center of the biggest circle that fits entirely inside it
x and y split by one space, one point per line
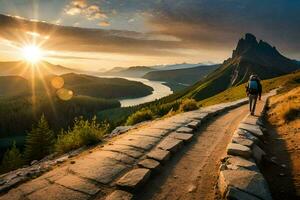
159 91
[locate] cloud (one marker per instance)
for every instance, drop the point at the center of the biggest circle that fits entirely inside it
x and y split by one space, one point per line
87 40
220 23
82 7
104 23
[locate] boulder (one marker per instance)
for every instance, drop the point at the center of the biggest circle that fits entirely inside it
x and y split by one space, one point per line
258 153
194 124
254 129
238 150
236 162
184 130
185 137
134 179
242 141
236 194
159 155
150 164
250 182
170 144
247 135
120 130
119 195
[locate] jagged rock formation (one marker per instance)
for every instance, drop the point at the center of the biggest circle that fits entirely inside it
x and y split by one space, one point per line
250 56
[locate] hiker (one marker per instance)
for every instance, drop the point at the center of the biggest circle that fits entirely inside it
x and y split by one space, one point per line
253 90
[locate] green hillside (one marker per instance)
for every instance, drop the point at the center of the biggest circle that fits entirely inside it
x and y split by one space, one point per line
13 86
108 88
181 77
287 81
249 57
84 85
19 110
227 82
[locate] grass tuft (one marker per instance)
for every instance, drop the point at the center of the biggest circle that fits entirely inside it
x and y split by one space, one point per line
84 132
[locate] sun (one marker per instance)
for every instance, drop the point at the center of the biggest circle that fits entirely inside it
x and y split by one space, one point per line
32 53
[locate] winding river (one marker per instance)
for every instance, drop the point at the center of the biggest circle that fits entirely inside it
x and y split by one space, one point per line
159 91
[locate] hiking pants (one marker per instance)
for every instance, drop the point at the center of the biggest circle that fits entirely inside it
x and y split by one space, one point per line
252 102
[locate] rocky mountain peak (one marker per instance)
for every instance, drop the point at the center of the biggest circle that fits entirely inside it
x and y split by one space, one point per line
245 45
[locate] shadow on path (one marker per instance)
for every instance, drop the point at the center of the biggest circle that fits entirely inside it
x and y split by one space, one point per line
279 172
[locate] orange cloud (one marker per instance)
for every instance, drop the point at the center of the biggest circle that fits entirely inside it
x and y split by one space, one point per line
81 7
104 23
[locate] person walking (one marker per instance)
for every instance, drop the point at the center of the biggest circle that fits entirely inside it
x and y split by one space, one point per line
253 90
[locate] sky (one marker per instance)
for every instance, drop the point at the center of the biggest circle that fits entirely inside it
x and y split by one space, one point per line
102 34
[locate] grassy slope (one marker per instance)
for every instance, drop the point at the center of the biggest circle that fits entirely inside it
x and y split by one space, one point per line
108 88
185 76
18 114
238 92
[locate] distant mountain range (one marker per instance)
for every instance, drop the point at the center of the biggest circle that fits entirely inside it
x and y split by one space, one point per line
136 72
249 57
178 79
23 69
140 71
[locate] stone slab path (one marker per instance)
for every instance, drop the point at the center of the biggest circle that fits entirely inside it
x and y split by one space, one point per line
192 173
115 169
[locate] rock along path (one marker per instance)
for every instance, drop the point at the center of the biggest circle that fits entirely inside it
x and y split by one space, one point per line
121 167
193 173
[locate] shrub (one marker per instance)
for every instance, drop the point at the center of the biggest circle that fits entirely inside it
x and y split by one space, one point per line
84 132
188 105
140 116
12 159
291 113
39 141
166 108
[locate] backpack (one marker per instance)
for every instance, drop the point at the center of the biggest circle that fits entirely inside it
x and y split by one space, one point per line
253 87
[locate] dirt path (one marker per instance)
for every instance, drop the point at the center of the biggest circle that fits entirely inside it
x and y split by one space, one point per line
192 173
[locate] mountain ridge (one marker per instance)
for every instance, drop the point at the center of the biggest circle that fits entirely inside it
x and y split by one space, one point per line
24 69
249 57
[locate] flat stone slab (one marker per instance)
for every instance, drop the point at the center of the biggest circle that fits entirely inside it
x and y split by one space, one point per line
258 153
234 193
185 137
33 185
57 192
130 151
184 130
238 150
243 141
159 155
170 144
142 142
245 134
134 178
123 158
238 162
79 184
247 181
252 120
103 170
198 115
255 130
119 195
150 164
151 132
194 124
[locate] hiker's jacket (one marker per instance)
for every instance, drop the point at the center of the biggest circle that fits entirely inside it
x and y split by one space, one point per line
254 92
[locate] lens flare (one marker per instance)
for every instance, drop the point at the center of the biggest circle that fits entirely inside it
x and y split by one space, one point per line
64 94
57 82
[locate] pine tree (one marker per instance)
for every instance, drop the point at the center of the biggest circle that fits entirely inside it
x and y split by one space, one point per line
12 159
39 141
